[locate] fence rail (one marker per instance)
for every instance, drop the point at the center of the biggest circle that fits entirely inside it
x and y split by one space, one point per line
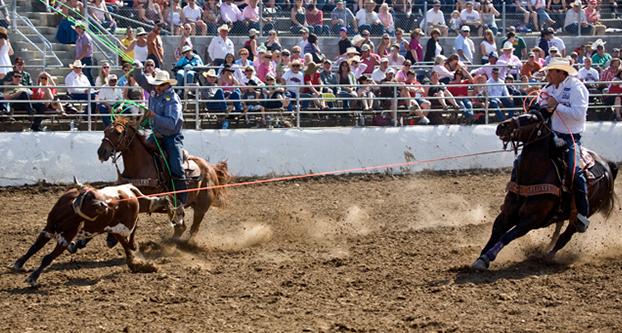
385 109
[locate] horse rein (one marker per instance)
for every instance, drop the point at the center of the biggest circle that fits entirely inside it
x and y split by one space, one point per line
536 131
116 150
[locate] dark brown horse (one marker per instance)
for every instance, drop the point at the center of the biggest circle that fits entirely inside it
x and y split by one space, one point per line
536 200
140 169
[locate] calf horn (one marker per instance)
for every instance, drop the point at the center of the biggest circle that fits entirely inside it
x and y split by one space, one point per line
75 181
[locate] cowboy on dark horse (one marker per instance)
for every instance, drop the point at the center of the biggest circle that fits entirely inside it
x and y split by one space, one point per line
542 191
566 99
165 111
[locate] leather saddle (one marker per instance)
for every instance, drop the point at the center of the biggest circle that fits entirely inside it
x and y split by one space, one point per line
191 168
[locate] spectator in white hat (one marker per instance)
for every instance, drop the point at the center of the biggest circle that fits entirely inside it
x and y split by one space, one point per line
186 64
220 46
576 19
464 46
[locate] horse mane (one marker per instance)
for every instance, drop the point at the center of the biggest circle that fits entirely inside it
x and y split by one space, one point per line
612 201
120 121
216 174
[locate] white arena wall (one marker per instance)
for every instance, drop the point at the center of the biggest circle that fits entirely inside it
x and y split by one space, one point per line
55 157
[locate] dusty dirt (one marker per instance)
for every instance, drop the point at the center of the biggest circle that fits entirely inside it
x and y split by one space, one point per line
355 254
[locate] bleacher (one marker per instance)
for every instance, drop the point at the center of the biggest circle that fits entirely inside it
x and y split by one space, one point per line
46 24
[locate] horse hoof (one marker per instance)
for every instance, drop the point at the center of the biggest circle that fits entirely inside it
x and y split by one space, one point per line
549 257
31 281
480 265
72 248
17 267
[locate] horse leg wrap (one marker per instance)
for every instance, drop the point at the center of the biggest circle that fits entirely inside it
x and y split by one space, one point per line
491 255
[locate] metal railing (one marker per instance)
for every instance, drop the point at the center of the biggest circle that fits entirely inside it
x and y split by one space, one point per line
396 109
41 45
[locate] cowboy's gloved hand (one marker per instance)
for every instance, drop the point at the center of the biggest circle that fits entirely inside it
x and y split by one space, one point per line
149 114
551 104
138 64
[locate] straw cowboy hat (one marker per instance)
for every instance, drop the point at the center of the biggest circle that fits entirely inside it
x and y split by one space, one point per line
210 73
352 50
161 77
79 24
140 31
76 64
311 68
223 27
4 33
295 62
356 59
357 40
561 64
186 48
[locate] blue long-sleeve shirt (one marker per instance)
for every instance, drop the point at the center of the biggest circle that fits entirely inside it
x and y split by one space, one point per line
194 61
166 106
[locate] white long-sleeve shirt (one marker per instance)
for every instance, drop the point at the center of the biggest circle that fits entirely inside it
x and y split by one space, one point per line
570 114
74 80
219 47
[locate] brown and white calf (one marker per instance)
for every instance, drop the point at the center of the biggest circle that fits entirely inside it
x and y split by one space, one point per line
84 212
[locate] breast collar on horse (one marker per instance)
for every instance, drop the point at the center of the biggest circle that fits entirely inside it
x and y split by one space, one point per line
537 189
77 207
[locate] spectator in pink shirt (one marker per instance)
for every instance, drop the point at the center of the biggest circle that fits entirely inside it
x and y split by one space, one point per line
232 16
265 66
416 49
250 14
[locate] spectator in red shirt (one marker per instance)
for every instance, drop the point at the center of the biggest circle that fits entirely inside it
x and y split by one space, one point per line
315 19
369 58
459 88
416 49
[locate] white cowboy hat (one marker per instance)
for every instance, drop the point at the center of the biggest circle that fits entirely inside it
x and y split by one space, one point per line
508 46
561 64
76 64
186 48
597 43
161 77
210 73
140 31
223 27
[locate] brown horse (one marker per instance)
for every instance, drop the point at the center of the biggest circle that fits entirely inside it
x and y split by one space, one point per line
140 169
536 200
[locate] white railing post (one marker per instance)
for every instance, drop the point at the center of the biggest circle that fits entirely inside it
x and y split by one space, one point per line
394 106
88 108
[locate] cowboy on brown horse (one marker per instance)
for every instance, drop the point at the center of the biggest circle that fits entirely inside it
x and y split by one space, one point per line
165 113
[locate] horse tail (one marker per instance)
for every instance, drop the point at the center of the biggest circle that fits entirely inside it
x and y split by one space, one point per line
612 200
216 174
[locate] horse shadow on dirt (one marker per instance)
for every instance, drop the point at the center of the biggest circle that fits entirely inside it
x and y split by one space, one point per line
532 266
87 264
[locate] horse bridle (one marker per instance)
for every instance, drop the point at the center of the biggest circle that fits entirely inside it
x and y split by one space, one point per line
117 150
535 131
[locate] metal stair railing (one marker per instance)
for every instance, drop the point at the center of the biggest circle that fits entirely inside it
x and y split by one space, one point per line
43 46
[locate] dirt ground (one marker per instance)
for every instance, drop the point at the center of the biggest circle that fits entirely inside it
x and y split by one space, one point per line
349 254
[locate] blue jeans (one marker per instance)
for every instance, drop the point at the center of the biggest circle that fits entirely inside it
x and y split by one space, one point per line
236 98
574 29
573 155
179 76
466 106
303 104
105 112
217 102
88 61
496 103
172 146
321 30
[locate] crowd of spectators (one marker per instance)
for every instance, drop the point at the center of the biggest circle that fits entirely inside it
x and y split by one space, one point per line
327 17
261 75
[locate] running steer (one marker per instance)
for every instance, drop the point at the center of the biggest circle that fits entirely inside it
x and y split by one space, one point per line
84 212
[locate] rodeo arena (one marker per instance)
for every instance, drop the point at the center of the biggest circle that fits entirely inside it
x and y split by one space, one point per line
370 165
